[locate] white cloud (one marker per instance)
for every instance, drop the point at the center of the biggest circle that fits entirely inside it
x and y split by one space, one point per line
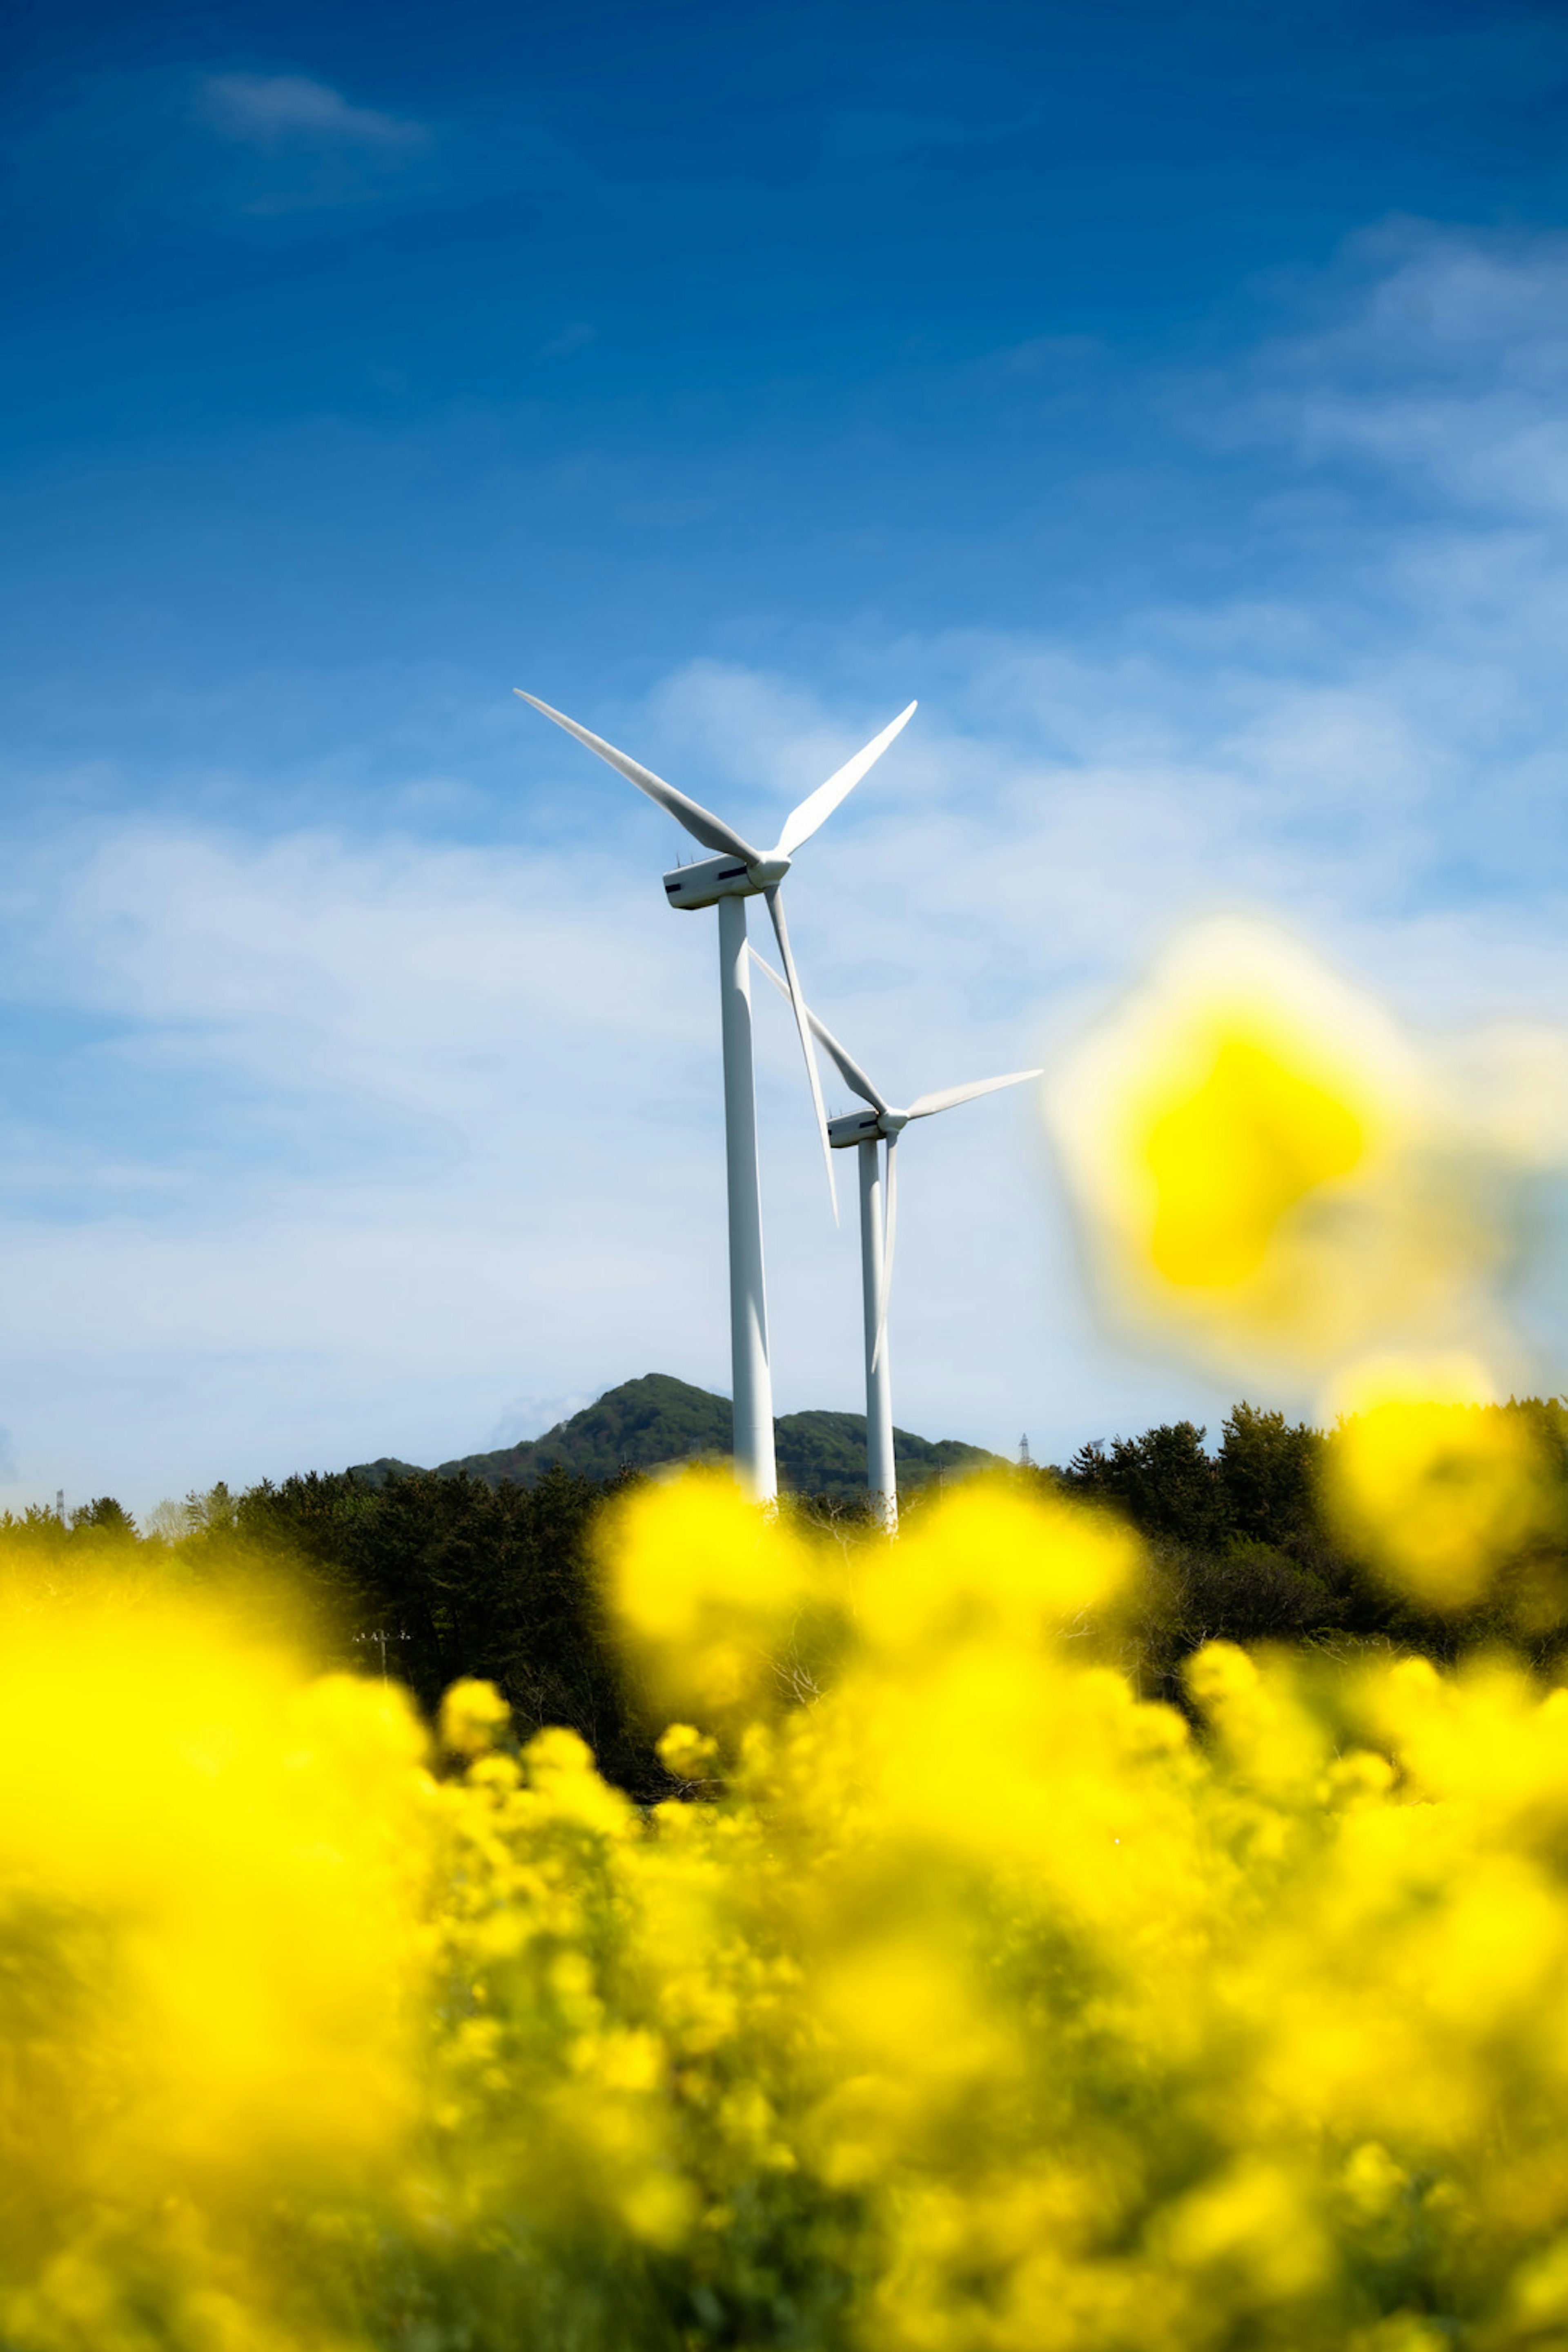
273 111
392 970
1449 364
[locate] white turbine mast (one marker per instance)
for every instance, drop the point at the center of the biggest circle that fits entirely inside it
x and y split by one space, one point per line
867 1131
737 873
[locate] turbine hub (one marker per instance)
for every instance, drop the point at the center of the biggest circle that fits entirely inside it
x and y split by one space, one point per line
768 870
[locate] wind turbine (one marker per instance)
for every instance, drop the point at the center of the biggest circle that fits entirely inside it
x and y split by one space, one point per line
737 873
867 1131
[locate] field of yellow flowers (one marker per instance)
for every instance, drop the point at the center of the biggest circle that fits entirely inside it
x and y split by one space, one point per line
965 2000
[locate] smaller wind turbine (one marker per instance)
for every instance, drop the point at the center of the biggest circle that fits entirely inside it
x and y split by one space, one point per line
867 1131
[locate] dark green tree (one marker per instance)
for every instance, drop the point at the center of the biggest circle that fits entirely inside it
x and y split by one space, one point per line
1162 1482
107 1519
1268 1471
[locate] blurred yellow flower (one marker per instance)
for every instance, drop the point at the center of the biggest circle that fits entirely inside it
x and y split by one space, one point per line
1235 1155
990 1559
473 1715
1439 1494
705 1586
1263 1170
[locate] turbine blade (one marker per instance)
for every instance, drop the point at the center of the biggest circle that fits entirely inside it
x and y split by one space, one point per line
948 1097
803 1022
709 830
889 1235
803 822
849 1069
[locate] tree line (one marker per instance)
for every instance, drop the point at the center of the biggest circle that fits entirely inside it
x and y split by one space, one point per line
1242 1550
428 1578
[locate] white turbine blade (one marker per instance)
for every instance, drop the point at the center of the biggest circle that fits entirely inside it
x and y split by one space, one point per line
803 822
849 1069
709 830
889 1235
947 1098
803 1022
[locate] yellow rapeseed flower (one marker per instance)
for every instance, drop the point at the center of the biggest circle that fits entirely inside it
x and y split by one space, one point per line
1438 1491
1263 1170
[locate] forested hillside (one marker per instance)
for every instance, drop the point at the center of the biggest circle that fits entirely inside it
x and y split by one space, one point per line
647 1422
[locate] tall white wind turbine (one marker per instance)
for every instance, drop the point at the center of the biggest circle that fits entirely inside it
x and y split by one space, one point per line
737 873
867 1131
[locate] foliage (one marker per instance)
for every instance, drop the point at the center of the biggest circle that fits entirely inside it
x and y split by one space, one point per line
1369 1533
38 1534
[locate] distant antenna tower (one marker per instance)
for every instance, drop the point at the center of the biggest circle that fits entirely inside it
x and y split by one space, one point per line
1026 1459
61 1504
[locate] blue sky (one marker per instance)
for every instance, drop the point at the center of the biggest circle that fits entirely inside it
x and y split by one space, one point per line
1173 398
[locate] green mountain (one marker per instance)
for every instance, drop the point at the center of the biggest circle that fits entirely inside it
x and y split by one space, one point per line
646 1424
824 1454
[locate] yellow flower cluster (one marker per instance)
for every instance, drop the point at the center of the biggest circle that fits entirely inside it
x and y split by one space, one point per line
976 2004
213 1875
1269 1176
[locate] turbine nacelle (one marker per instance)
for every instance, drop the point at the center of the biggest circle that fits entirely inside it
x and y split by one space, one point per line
865 1127
713 878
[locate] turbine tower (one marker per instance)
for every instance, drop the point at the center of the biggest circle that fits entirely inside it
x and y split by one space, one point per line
867 1131
737 873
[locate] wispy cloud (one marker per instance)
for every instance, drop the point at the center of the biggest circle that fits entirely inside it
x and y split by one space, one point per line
1447 362
272 110
306 142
